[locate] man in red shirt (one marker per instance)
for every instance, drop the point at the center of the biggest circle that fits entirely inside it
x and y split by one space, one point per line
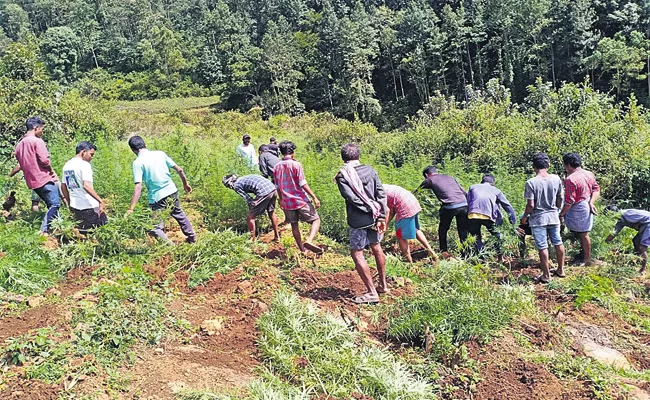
289 179
580 193
34 161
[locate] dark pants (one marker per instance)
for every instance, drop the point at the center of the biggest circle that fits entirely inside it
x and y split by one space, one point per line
446 216
177 213
49 193
88 219
474 228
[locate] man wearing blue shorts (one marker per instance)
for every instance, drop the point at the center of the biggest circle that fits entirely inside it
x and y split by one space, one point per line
543 196
405 208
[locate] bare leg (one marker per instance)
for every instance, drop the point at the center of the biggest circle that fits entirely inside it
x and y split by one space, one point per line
543 261
362 269
585 241
559 250
274 222
295 229
643 252
315 227
419 235
380 260
405 249
251 226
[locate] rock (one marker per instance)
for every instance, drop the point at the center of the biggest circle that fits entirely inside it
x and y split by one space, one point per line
34 301
399 281
159 350
212 326
636 393
53 292
605 355
79 295
246 288
12 298
260 306
177 386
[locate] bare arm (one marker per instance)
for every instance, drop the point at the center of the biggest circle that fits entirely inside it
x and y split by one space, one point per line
137 191
15 170
66 193
565 209
530 206
181 173
88 186
312 195
592 202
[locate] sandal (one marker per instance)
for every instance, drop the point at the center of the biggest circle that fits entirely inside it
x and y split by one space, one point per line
366 298
554 273
314 249
540 279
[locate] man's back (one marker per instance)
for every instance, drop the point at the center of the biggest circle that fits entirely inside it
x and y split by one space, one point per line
359 215
75 172
34 161
268 161
253 184
152 168
446 189
289 178
546 192
486 199
403 202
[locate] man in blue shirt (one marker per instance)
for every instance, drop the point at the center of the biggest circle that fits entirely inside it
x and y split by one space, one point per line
263 202
152 168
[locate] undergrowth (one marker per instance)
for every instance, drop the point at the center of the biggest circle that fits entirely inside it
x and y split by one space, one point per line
318 352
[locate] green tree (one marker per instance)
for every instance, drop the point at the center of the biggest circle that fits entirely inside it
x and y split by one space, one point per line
59 46
14 21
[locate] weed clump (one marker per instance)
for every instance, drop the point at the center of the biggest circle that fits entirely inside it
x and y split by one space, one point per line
458 304
318 352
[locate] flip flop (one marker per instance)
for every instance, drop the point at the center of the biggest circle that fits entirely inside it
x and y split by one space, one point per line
554 273
312 248
539 279
366 298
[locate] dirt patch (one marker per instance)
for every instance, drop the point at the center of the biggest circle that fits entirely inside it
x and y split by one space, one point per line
25 389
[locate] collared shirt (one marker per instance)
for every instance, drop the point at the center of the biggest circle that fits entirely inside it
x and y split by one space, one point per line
34 161
248 153
152 168
447 190
487 200
289 178
580 186
402 202
253 184
632 219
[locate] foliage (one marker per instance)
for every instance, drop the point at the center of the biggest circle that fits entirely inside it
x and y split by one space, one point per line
567 366
458 304
317 352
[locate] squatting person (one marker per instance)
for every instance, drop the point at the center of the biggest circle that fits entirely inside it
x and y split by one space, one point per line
454 204
638 220
405 208
34 160
580 193
543 196
152 168
484 210
289 179
77 187
263 202
365 207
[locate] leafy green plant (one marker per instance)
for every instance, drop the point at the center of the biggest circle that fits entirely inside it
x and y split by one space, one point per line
318 352
567 366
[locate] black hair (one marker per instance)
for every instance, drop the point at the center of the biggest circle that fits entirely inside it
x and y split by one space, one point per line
246 136
136 143
33 123
572 159
263 148
488 178
541 161
350 152
429 170
272 140
83 146
287 147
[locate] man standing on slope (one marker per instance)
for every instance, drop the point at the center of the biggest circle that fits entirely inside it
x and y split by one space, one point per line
638 220
484 209
268 160
289 179
247 152
34 161
264 201
580 193
454 204
543 196
152 168
405 208
365 203
77 187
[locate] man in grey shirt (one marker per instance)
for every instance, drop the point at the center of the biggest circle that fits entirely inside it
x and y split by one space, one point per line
543 196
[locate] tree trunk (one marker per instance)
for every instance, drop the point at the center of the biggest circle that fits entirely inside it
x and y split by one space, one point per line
553 64
469 60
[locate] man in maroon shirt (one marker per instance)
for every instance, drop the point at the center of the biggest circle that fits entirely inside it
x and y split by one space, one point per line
34 161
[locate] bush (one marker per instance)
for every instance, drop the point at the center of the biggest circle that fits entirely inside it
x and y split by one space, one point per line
458 304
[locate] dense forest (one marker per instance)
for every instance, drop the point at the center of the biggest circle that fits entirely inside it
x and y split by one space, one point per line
377 61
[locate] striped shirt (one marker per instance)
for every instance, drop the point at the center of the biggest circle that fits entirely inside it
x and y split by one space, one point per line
402 202
289 178
255 184
579 186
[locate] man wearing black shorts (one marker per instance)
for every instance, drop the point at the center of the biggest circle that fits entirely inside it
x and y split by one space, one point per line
263 202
